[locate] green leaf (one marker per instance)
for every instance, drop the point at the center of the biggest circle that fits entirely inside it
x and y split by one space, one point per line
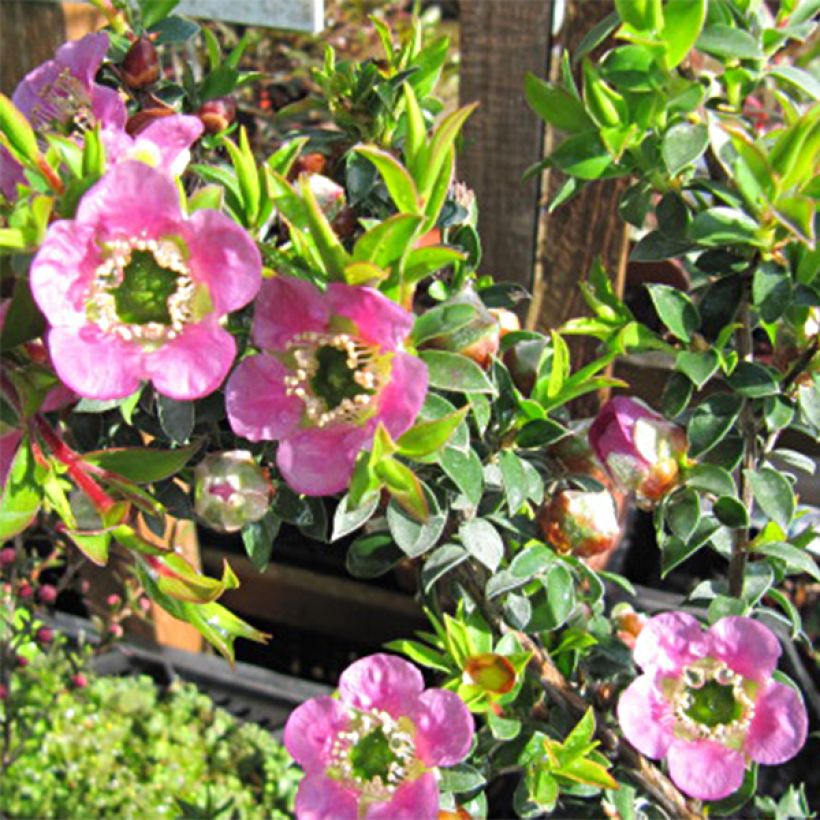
674 550
22 493
719 226
710 422
372 555
281 161
93 545
560 601
675 310
771 291
23 321
481 539
174 29
773 494
677 393
710 479
450 371
540 433
399 183
683 513
347 520
513 478
731 512
388 241
698 367
426 437
421 654
440 145
460 779
642 15
753 381
17 128
583 156
176 418
796 559
555 105
424 261
465 471
334 256
440 562
682 24
721 40
218 625
683 144
412 536
258 539
404 486
142 464
798 78
442 320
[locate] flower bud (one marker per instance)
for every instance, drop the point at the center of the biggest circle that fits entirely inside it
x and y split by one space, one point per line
116 631
4 692
140 68
330 197
47 594
641 450
579 522
522 360
7 556
113 600
628 623
79 681
21 661
25 590
44 635
231 490
312 163
478 339
492 672
217 114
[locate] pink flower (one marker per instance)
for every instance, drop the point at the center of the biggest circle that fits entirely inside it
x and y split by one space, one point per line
640 449
11 174
164 144
62 92
708 704
371 753
333 372
133 290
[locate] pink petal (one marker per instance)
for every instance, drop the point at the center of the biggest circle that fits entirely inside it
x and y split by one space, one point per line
669 641
173 136
132 197
320 461
61 272
401 400
8 450
195 363
108 107
444 728
705 769
11 174
379 320
30 94
779 727
311 731
94 364
381 681
57 398
285 307
416 800
258 408
747 646
84 56
320 798
611 432
224 256
645 717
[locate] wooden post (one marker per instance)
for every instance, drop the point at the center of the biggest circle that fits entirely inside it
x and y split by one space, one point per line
500 41
30 35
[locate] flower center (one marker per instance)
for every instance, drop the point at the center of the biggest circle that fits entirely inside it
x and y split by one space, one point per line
63 101
375 755
712 702
336 375
142 291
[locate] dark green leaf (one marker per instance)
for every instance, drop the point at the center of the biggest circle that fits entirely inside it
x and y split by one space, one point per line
259 537
142 464
555 105
683 513
174 30
461 778
677 393
481 539
176 418
710 422
514 480
699 367
540 433
796 559
753 381
560 589
683 144
711 479
466 472
723 226
412 536
773 494
440 562
372 555
771 291
675 310
441 320
731 512
450 371
346 520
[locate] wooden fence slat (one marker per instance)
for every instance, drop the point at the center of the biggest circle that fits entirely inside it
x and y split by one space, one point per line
500 41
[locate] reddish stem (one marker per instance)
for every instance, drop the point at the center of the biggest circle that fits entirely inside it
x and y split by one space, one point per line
74 466
51 177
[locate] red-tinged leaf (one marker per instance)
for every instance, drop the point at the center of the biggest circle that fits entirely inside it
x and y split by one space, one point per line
492 672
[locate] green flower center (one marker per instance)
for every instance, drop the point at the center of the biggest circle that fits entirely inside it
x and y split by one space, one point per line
713 704
143 294
335 380
371 756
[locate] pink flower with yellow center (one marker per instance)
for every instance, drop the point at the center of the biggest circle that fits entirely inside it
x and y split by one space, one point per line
372 753
641 450
332 370
708 704
62 92
133 289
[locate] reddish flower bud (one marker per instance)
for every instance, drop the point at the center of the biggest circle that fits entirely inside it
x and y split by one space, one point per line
492 672
4 692
313 163
641 450
142 119
140 68
47 594
231 490
581 523
522 360
7 556
25 590
330 197
45 635
218 114
113 600
628 623
21 661
79 681
508 322
144 604
115 630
